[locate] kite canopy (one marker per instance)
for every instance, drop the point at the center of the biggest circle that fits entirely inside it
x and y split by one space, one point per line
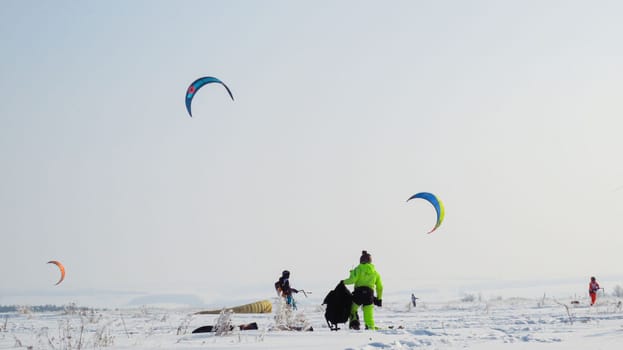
198 84
432 199
61 267
259 307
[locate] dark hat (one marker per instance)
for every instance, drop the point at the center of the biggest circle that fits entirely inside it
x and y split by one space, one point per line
365 257
285 274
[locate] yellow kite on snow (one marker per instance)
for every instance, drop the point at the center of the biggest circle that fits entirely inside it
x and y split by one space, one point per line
259 307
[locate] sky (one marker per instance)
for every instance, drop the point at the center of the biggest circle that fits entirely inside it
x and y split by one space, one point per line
508 111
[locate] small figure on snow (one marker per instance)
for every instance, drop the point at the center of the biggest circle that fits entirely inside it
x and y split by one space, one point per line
282 286
413 299
366 280
593 287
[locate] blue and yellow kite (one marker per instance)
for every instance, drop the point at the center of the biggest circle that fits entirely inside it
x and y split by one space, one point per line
432 199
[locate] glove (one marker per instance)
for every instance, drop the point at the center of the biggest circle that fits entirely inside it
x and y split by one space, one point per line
378 302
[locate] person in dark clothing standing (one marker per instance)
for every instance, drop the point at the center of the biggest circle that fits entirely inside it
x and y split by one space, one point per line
282 286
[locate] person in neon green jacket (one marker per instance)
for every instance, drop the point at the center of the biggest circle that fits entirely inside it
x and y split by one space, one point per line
366 280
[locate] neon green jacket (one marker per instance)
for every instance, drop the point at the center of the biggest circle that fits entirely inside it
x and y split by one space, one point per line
365 275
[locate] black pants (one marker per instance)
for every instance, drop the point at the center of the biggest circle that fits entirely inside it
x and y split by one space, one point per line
363 296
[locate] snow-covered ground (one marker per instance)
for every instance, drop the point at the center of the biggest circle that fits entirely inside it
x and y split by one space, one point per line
498 323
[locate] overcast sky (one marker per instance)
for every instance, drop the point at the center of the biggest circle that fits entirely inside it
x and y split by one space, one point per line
509 111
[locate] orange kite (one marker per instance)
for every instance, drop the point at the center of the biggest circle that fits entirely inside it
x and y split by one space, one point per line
61 267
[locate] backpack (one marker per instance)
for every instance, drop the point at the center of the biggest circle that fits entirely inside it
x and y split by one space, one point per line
339 302
278 287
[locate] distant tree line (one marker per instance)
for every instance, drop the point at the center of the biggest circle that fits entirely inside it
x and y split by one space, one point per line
41 308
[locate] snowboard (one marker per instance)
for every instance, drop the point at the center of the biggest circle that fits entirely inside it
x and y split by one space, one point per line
243 327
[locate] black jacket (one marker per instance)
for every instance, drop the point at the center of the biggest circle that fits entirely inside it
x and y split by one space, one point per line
283 285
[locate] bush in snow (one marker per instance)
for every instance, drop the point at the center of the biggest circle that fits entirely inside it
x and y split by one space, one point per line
468 298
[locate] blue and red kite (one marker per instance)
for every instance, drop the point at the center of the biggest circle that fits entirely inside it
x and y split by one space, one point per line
198 84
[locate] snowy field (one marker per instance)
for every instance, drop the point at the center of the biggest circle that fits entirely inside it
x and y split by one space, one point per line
471 323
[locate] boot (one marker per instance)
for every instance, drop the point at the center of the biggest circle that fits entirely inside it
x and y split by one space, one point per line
354 321
354 324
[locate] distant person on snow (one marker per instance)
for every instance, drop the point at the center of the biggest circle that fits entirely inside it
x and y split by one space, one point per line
413 299
366 280
593 287
282 286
